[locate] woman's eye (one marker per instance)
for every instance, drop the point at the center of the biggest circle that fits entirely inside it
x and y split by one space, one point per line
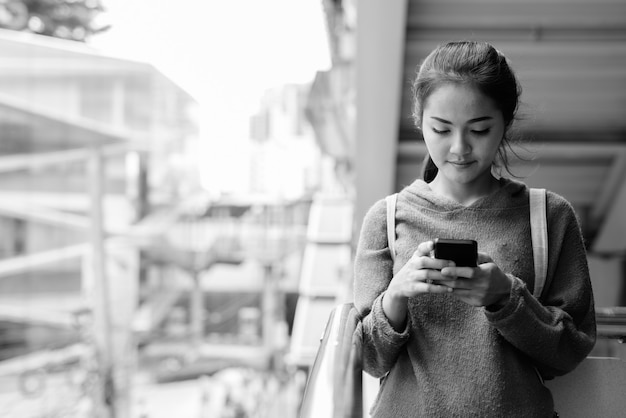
481 131
437 131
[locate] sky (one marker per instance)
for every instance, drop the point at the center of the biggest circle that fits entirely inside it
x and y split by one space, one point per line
224 53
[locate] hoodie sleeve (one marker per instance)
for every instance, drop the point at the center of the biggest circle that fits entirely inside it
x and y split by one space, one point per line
559 331
373 270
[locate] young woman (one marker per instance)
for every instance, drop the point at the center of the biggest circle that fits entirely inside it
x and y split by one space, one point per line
455 341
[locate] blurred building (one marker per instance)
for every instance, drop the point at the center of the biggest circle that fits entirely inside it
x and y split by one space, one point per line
224 281
87 148
291 159
283 142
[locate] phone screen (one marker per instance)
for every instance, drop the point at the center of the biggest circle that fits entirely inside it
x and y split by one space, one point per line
463 252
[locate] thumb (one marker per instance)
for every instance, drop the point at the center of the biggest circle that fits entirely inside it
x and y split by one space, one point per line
424 249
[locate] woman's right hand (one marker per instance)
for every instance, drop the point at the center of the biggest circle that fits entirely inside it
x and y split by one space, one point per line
419 275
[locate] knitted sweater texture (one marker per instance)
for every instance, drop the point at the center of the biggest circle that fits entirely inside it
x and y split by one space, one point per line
456 360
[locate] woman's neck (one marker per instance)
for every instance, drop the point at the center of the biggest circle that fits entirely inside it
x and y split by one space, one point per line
465 193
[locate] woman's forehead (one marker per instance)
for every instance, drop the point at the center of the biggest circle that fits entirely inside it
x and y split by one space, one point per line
460 103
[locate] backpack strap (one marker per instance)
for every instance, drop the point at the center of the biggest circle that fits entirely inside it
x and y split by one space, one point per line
391 224
539 233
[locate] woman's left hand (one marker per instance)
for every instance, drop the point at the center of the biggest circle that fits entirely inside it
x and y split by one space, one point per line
484 285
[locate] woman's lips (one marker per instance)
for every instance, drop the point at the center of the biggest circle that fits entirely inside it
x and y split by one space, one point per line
461 164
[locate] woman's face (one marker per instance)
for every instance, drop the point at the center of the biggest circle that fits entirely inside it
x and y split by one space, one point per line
462 129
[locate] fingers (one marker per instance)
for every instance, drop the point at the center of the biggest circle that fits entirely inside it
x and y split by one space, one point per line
456 285
413 288
413 279
484 258
460 272
430 287
422 260
426 274
427 263
421 275
424 249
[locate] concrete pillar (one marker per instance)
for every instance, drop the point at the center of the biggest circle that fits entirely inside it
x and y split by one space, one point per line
381 31
98 290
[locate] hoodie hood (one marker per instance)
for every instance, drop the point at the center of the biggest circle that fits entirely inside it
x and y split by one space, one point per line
510 192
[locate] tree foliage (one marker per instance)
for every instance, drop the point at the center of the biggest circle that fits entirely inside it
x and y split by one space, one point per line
67 19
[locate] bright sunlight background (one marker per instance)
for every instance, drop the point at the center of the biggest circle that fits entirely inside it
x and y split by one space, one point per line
225 54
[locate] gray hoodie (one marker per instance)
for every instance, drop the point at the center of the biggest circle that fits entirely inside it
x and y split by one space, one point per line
456 360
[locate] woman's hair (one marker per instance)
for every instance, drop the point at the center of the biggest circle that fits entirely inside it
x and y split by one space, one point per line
478 64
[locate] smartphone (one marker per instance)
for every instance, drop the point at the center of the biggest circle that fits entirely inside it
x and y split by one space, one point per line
464 252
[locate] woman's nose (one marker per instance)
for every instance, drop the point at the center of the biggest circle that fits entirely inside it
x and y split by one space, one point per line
460 145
